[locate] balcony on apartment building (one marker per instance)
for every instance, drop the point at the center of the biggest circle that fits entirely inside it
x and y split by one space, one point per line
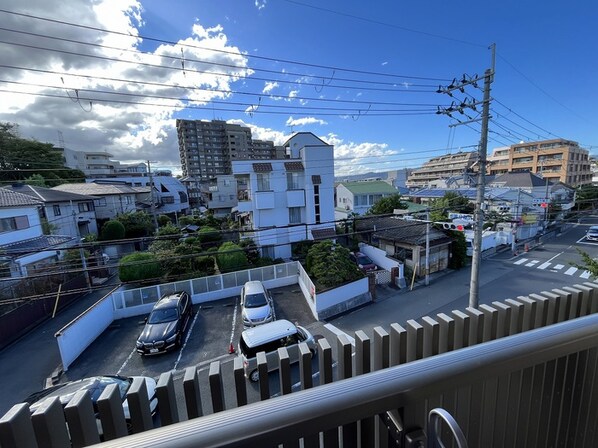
520 372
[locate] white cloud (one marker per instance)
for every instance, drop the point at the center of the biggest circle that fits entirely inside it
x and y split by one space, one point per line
303 121
269 86
384 63
260 4
123 118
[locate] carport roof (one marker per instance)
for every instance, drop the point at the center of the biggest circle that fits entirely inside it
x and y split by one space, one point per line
35 244
399 230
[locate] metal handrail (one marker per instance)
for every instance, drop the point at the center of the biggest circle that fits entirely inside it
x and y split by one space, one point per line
290 417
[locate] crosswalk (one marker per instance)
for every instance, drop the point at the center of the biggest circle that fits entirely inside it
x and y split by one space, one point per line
553 267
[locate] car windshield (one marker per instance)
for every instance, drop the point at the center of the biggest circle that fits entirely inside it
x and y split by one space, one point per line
162 315
255 300
364 259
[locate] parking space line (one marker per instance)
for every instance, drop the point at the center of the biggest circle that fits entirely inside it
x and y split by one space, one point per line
585 274
126 361
178 359
232 333
523 260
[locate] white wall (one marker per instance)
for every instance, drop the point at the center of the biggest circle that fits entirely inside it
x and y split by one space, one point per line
337 296
34 229
379 257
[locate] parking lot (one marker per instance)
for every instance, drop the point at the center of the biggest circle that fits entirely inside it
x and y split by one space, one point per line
214 326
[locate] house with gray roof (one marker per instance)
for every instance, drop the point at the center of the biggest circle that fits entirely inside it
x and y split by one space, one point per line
109 200
23 246
405 240
358 197
66 213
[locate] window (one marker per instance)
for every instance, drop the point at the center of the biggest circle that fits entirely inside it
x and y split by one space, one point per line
263 182
85 207
127 199
100 202
293 181
56 209
294 215
15 223
268 251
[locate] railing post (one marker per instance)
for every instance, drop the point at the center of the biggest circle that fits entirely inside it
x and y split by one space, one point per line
305 360
81 420
446 333
192 393
345 370
362 366
215 381
398 345
169 412
415 340
112 415
16 428
139 406
240 382
262 368
50 426
325 364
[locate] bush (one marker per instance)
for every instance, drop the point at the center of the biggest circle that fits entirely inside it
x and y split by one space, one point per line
330 265
209 235
164 220
112 230
139 266
231 258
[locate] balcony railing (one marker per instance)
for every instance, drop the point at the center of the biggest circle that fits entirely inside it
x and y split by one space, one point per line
516 373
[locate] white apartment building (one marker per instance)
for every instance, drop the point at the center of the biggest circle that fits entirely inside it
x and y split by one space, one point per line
282 201
98 164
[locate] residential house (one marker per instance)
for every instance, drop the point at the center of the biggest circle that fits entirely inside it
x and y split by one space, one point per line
219 195
110 200
169 195
282 201
23 246
358 197
98 164
66 213
405 240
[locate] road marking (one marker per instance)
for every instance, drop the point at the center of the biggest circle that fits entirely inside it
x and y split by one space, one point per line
178 359
585 274
338 332
533 262
126 361
523 260
232 333
544 265
557 255
570 271
558 266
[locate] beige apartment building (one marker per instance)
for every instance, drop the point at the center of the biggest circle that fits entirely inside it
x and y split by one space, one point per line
557 160
437 170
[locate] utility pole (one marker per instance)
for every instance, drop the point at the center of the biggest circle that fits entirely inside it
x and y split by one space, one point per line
427 249
479 208
153 204
81 251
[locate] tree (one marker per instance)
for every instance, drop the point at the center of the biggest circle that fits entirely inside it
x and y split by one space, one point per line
163 220
231 257
329 264
137 224
586 196
387 205
139 266
36 180
21 159
458 250
112 230
251 250
589 264
451 201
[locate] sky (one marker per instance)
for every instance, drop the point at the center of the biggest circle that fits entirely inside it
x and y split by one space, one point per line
114 75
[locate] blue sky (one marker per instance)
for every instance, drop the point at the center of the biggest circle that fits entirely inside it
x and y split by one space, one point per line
361 75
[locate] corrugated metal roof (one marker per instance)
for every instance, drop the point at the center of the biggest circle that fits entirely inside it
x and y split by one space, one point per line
35 244
92 189
376 186
323 234
293 166
262 167
49 194
408 232
9 198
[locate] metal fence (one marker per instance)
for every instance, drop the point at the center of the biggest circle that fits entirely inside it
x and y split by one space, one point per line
520 372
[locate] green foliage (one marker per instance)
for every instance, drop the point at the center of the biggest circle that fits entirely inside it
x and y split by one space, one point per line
47 227
112 230
22 159
492 218
589 264
137 224
387 205
458 257
451 201
301 248
329 265
251 251
164 220
586 196
72 258
209 235
139 266
231 258
168 229
36 180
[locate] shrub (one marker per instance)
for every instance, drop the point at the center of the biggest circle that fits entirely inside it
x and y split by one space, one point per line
112 230
139 266
231 258
330 265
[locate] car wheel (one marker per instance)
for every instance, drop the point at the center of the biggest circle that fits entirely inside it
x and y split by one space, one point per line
254 376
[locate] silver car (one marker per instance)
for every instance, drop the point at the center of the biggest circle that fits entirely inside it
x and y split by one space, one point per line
256 304
592 234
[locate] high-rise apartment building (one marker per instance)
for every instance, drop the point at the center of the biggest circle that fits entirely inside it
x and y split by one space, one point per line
441 168
557 160
207 148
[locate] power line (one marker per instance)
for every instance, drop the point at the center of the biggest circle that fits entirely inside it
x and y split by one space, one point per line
153 39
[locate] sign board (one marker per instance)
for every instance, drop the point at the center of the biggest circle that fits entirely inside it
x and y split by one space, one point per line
463 216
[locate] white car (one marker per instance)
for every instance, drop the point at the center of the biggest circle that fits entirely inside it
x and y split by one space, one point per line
592 234
95 386
256 304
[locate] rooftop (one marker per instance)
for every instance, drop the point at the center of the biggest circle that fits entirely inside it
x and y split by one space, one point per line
48 194
9 198
374 186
